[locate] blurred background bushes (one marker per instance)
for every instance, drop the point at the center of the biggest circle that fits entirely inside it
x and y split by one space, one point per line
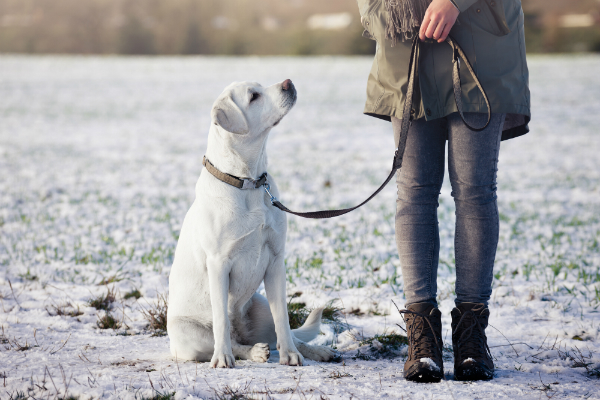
242 27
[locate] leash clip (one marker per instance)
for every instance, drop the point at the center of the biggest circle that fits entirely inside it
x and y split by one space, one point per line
267 188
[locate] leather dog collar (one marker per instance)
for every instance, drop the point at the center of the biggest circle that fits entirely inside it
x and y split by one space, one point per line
240 183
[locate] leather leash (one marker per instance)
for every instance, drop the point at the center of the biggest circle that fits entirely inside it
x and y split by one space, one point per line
457 54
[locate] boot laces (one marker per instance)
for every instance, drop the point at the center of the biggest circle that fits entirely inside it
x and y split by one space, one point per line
423 341
472 342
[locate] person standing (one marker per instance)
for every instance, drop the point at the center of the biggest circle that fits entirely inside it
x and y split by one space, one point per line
491 34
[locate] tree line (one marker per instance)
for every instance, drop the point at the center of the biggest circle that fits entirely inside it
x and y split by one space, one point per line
229 27
235 27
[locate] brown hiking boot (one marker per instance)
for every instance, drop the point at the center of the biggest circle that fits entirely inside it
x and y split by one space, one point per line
472 357
424 331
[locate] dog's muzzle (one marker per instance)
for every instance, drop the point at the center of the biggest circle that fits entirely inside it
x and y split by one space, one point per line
290 93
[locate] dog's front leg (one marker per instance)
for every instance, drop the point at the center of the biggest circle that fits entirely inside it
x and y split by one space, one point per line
275 288
218 276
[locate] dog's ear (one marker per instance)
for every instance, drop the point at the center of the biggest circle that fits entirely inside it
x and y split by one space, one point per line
228 115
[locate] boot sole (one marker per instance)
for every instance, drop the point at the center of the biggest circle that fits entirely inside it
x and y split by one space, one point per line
421 372
474 373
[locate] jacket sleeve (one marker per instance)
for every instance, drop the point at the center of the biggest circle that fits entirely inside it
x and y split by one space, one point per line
463 5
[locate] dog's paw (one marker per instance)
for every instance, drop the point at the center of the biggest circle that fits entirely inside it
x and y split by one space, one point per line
260 352
222 360
321 353
290 357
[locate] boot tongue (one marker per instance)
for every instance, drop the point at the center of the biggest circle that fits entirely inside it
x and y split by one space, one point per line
421 308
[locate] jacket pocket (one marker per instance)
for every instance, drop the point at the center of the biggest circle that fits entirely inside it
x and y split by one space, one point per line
489 16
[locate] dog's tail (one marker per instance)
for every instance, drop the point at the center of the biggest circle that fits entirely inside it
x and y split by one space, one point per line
311 328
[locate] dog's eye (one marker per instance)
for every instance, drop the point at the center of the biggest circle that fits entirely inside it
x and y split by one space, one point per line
255 96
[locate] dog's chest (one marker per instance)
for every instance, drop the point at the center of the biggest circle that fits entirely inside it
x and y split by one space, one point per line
265 231
263 241
265 217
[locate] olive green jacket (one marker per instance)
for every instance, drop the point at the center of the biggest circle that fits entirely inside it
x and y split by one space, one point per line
491 35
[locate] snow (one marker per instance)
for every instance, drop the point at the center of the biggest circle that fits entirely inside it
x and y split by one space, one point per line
99 157
430 364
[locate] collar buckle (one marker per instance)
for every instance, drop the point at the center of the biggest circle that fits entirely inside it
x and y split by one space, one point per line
248 184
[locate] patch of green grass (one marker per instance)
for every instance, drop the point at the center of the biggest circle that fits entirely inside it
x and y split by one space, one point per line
134 293
392 341
28 276
64 309
103 302
17 396
297 314
110 279
156 315
330 312
315 262
362 356
83 259
556 267
229 393
108 322
527 269
160 396
384 345
158 256
594 246
357 283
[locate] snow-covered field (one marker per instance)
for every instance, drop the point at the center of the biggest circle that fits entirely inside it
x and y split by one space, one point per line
98 161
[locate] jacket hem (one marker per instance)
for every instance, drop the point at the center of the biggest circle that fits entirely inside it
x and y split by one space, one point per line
386 113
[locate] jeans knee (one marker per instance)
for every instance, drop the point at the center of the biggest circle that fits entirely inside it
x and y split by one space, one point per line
477 201
474 194
417 209
422 194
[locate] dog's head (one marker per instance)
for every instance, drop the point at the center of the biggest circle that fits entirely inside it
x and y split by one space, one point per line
247 107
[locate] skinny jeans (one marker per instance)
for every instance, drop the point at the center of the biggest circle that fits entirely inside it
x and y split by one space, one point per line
472 166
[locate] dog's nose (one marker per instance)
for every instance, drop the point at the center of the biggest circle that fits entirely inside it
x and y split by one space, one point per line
287 84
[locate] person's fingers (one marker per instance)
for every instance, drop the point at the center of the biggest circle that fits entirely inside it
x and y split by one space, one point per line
445 33
431 27
439 30
424 25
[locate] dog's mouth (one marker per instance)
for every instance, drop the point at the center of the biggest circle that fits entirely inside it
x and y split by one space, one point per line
288 101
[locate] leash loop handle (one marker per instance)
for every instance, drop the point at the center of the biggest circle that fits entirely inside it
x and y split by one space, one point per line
457 54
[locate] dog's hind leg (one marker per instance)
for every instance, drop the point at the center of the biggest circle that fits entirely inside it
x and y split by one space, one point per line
259 352
315 353
259 322
308 332
261 328
190 339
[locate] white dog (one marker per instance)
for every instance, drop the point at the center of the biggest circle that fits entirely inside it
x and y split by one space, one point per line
231 241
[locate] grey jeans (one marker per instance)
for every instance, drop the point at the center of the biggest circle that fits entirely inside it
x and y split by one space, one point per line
472 166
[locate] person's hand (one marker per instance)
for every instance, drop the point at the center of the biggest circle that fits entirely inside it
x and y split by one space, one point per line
439 19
